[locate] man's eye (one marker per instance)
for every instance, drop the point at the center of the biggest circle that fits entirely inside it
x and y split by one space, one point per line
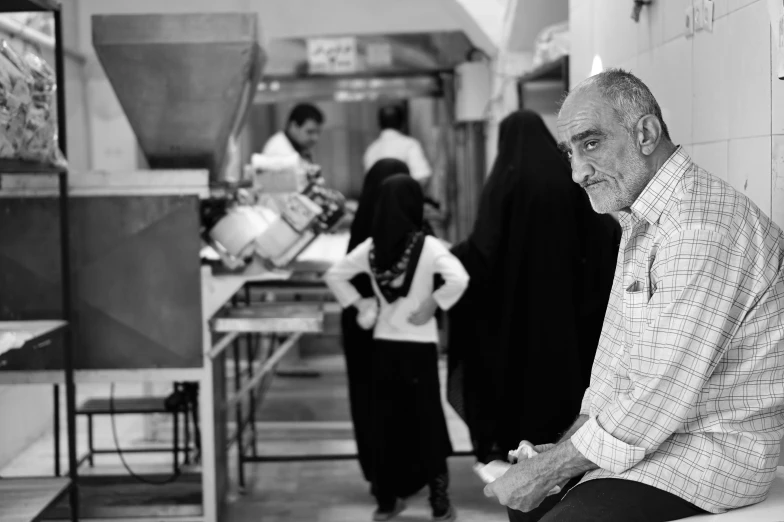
591 145
568 154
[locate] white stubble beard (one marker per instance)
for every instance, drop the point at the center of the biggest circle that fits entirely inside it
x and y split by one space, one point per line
620 199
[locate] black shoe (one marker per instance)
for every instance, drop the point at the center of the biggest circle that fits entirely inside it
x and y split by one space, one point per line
439 497
382 516
445 516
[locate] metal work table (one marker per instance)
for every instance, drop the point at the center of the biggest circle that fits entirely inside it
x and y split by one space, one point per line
25 499
272 328
267 331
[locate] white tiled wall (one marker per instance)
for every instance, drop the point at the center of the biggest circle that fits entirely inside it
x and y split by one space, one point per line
718 90
672 13
674 89
749 71
778 178
650 31
721 8
777 92
709 93
734 5
749 169
713 157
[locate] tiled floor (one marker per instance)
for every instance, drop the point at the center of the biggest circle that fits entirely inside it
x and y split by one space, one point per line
335 492
299 416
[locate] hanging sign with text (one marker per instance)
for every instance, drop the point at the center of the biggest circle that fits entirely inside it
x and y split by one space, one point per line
332 55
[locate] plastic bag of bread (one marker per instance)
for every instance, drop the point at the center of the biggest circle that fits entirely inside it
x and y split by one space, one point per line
14 99
28 109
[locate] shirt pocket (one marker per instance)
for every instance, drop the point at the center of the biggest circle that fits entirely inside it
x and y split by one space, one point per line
635 310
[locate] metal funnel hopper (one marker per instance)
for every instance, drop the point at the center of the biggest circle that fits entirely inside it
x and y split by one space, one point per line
185 81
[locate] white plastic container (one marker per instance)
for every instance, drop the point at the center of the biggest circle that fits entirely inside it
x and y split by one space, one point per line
238 228
276 240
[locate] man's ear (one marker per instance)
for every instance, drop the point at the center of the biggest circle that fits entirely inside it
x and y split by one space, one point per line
649 134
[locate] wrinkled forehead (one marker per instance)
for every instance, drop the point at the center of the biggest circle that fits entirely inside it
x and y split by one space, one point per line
583 111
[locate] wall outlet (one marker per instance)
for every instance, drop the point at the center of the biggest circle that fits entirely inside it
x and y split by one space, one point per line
698 15
707 14
689 19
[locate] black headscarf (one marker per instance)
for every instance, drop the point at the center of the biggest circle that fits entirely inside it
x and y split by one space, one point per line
363 219
398 235
525 146
523 337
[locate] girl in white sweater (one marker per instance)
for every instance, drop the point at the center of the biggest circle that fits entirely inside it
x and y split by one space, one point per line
410 437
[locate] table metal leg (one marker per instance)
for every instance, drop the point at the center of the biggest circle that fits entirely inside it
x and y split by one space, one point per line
90 448
176 420
56 404
253 352
187 448
238 417
65 252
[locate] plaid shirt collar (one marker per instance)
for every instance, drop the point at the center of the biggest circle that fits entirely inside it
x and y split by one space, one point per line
651 203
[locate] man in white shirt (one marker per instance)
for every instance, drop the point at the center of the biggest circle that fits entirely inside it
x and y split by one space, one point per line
292 147
392 143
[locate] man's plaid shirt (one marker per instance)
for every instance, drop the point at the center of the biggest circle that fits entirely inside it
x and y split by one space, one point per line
687 389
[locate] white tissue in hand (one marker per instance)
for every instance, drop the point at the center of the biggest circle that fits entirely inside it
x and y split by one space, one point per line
524 450
492 471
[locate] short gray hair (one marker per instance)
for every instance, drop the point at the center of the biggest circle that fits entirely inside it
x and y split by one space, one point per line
629 97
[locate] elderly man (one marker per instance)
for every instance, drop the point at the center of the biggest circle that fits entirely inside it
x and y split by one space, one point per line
685 409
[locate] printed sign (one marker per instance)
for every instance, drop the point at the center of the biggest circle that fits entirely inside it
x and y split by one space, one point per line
332 55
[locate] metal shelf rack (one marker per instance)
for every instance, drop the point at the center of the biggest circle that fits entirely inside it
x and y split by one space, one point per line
26 499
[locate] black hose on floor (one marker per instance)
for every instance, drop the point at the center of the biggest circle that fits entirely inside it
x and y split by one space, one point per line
170 480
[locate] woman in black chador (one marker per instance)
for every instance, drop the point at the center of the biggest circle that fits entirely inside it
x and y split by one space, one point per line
523 337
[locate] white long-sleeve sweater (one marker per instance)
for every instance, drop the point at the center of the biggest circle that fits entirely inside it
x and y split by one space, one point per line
392 324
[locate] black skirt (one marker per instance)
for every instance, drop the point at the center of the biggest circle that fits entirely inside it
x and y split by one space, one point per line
410 437
358 349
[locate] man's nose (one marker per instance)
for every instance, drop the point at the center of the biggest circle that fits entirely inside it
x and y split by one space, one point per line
581 171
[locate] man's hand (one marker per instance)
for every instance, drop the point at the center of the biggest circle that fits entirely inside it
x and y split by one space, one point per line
424 313
527 483
523 487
